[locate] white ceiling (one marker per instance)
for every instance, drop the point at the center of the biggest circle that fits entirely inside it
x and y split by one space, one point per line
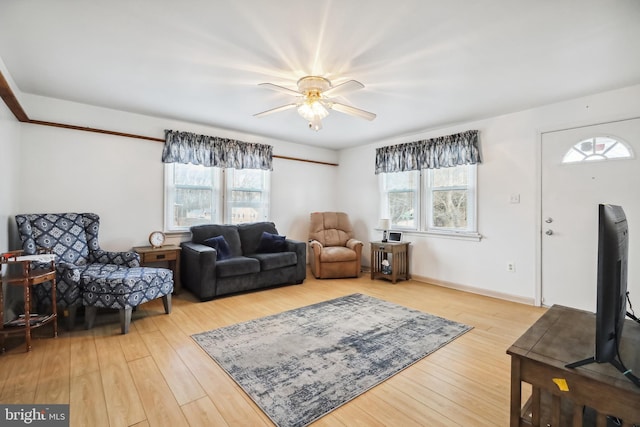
424 63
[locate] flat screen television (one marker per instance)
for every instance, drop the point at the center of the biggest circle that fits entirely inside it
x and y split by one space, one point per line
611 309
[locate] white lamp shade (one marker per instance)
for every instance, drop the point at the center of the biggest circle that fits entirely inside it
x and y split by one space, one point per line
384 224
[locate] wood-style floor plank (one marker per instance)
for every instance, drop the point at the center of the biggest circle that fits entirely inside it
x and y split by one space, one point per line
203 413
159 404
157 375
87 403
183 383
54 380
122 399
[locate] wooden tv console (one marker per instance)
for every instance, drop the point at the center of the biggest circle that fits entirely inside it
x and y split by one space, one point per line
561 396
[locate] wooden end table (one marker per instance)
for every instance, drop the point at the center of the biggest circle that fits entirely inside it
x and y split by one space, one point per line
397 253
168 253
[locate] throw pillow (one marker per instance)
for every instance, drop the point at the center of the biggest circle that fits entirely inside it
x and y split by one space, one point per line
271 243
220 245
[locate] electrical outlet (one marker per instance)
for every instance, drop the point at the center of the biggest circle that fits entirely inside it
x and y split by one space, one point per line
511 267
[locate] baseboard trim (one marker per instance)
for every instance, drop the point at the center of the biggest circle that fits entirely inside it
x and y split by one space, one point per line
473 290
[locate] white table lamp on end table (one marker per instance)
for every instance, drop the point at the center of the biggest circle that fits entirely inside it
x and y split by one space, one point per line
384 225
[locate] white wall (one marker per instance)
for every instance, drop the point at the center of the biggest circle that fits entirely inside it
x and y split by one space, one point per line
121 178
510 149
9 189
9 159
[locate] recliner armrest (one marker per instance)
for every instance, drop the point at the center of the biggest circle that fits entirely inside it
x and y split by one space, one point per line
353 244
316 246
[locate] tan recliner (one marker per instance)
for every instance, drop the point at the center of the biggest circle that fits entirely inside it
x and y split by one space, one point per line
334 252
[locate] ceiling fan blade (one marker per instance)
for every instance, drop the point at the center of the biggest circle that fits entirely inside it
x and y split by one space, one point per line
275 110
342 88
280 89
347 109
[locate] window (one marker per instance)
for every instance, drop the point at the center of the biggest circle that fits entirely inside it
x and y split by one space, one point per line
400 195
247 198
597 148
197 194
439 200
450 195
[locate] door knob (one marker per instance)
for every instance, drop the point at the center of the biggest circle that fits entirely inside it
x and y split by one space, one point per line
548 232
548 220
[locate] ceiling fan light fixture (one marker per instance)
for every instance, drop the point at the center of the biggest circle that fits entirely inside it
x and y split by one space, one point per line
316 123
310 109
314 100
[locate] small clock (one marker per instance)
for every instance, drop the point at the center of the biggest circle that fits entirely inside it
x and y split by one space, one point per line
156 238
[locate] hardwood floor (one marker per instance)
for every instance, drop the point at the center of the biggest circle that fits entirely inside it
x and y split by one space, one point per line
157 376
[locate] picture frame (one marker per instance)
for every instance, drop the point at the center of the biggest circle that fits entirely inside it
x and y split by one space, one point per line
395 236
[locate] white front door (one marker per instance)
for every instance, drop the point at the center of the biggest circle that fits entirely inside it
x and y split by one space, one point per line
571 193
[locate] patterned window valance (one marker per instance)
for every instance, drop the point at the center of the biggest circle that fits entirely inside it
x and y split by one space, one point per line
443 152
187 147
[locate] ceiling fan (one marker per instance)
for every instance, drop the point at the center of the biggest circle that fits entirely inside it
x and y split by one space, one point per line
314 99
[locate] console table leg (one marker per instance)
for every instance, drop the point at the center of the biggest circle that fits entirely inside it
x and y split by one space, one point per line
535 406
516 392
577 415
555 410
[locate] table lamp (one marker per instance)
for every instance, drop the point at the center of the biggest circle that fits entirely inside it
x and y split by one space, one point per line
384 225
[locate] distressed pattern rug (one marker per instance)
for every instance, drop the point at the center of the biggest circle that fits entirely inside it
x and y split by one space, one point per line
301 364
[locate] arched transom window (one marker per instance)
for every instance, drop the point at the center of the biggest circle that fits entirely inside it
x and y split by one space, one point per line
597 148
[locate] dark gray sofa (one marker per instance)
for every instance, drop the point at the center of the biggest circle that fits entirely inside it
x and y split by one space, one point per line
246 268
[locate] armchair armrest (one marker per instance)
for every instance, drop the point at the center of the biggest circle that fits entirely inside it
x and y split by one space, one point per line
356 245
70 273
353 244
316 246
128 258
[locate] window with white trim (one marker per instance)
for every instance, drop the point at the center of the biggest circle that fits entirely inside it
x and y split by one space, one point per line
439 200
196 194
400 199
247 195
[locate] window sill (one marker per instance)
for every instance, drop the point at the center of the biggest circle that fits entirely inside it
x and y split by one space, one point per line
469 236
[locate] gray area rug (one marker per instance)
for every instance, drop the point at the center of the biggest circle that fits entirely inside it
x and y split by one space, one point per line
302 364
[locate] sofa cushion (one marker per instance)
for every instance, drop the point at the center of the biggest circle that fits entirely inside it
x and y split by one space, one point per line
250 234
272 261
237 266
200 233
270 243
223 251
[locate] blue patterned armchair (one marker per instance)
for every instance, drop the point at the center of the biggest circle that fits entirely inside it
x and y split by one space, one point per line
87 275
